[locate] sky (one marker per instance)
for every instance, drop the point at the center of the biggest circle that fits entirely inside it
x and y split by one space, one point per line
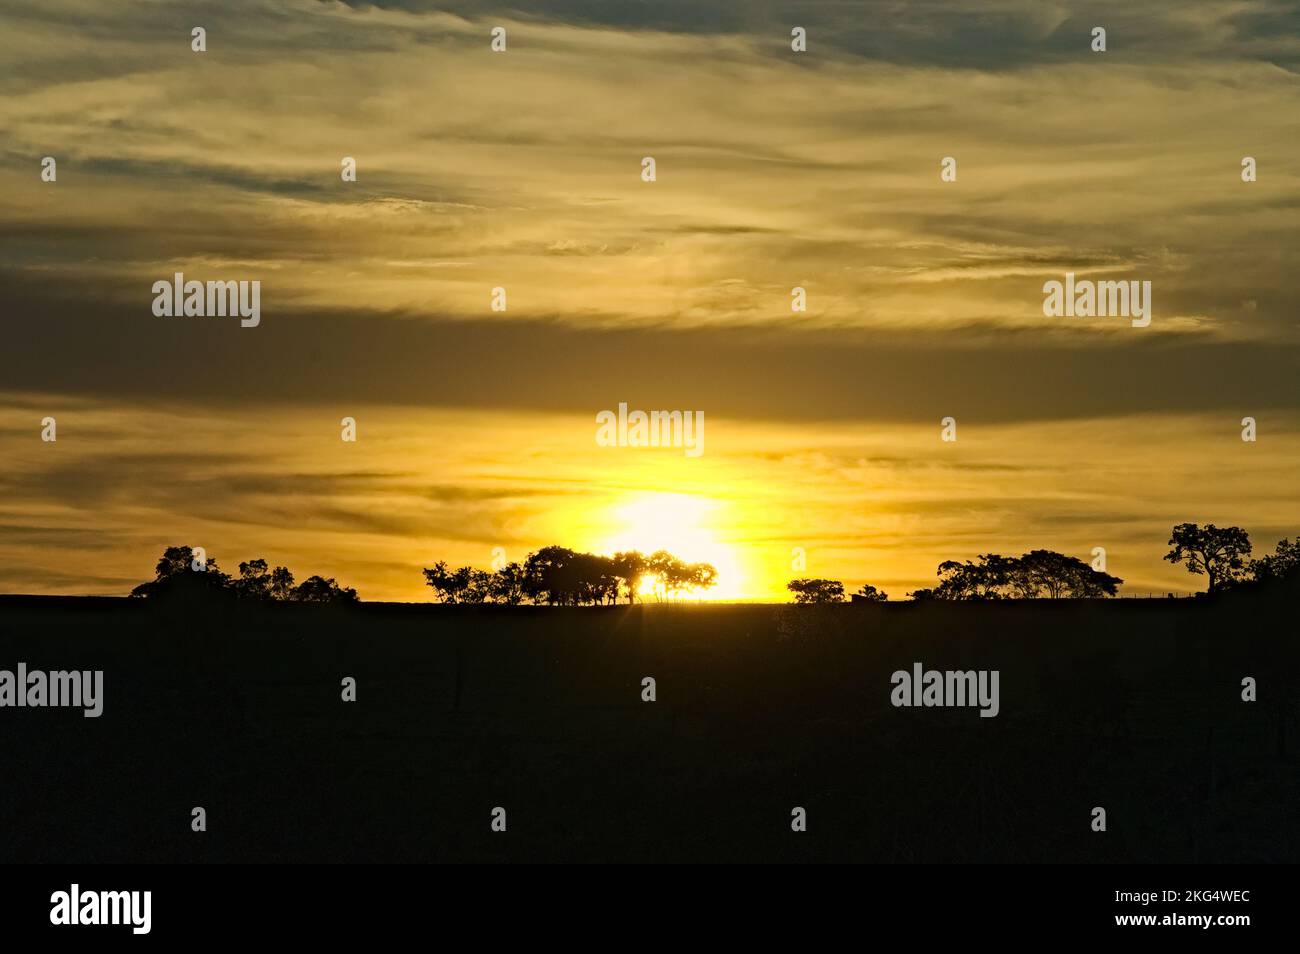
522 170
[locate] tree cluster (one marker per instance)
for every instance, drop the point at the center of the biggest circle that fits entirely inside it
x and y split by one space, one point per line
832 591
558 576
1038 574
1222 555
177 573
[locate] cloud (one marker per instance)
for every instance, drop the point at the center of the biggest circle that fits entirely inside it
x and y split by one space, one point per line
478 170
996 34
766 373
522 170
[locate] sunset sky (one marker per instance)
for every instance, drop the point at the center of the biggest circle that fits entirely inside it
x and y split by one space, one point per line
775 169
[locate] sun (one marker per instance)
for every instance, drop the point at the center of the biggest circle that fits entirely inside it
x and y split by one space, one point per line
686 526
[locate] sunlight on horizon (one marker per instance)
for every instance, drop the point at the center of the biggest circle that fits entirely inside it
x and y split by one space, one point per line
688 527
883 504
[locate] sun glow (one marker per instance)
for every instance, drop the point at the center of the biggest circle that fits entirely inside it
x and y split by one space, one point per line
684 525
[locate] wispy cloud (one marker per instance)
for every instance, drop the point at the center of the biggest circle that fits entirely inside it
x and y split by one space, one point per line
521 170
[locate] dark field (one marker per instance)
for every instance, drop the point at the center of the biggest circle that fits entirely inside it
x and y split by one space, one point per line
1131 705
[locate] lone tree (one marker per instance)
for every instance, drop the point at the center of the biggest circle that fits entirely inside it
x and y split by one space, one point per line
870 594
816 591
1217 552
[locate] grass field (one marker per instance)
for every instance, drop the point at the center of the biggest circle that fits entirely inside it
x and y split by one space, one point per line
1134 706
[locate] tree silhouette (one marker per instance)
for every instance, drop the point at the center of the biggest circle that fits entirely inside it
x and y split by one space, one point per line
449 585
1046 573
1284 562
701 576
176 575
506 585
670 573
974 581
175 561
552 576
479 587
816 591
1090 583
281 584
629 566
1218 553
594 579
1035 575
558 576
870 594
256 582
318 589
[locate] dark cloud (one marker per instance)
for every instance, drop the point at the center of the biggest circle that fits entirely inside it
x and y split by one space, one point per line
78 579
192 174
996 35
723 16
71 539
82 483
84 345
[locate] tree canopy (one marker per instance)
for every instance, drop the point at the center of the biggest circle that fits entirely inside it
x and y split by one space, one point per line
1219 553
816 591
